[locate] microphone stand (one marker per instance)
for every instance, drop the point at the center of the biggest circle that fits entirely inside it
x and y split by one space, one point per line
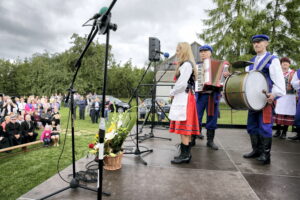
152 111
137 151
103 27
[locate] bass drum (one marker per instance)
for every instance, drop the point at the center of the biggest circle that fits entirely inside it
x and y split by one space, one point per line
244 91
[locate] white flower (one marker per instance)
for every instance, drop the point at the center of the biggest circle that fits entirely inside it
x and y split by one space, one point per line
110 135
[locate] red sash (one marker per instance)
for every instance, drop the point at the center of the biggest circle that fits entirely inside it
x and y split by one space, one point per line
267 114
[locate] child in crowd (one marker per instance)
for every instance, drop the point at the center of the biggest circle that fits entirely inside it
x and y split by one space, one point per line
46 135
55 133
56 116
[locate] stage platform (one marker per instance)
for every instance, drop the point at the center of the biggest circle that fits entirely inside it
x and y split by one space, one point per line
211 175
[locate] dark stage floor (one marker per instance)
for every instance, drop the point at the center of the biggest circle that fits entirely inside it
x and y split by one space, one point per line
221 174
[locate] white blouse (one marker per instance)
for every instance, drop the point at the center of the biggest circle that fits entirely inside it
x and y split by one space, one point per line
181 83
295 82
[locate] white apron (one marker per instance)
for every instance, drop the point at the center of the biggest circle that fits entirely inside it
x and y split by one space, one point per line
179 107
286 105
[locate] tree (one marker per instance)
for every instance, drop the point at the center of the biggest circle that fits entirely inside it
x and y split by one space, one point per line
233 22
46 74
228 28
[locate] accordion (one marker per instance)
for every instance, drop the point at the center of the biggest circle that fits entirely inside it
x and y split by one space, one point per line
210 75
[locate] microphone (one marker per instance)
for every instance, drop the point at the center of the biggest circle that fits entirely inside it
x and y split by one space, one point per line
166 54
99 14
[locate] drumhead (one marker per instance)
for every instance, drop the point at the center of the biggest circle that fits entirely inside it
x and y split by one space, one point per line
254 85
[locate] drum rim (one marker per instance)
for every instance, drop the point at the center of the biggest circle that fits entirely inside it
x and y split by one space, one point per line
243 90
224 91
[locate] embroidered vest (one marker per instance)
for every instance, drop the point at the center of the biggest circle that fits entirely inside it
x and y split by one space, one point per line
265 69
288 78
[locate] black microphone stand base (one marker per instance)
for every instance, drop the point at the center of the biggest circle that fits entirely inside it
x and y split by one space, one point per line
152 136
73 185
138 153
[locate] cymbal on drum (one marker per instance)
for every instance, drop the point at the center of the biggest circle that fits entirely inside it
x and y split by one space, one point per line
241 64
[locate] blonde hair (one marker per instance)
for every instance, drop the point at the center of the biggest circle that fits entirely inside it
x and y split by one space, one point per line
185 54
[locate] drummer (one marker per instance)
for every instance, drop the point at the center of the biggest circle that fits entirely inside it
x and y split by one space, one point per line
286 105
259 123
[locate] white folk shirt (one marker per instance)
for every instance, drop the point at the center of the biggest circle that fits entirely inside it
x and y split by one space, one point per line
295 82
179 104
286 105
276 75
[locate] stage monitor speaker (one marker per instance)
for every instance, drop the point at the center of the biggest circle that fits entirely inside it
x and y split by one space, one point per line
154 48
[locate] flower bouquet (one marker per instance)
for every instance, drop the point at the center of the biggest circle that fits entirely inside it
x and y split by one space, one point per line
117 129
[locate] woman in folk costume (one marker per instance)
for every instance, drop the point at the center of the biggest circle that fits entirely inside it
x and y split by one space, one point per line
296 85
286 105
183 113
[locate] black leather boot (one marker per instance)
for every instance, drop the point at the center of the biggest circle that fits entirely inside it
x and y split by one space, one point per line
193 141
210 139
201 136
278 131
185 155
296 137
180 149
255 143
283 133
265 156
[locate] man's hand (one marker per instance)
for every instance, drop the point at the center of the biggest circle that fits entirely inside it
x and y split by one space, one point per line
270 98
30 133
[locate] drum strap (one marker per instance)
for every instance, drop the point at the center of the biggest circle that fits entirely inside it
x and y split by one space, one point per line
265 62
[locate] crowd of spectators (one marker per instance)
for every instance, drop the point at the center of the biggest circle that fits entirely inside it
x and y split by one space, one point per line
91 104
21 117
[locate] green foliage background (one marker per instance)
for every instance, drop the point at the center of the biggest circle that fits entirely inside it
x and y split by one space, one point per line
231 24
45 74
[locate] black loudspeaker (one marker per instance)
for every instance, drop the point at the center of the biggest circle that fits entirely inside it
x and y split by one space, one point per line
154 48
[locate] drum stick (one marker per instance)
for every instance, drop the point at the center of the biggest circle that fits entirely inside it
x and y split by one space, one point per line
265 92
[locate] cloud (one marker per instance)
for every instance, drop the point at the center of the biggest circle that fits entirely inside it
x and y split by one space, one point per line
34 26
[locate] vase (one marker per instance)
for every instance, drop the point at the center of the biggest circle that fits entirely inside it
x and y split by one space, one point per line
113 163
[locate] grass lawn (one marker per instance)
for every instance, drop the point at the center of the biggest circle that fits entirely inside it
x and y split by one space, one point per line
21 172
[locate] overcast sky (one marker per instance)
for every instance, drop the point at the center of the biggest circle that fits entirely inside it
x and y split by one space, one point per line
35 26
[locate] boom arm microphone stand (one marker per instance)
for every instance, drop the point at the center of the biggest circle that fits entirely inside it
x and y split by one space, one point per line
103 26
137 151
153 112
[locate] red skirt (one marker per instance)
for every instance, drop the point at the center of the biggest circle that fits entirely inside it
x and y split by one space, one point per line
284 119
191 125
